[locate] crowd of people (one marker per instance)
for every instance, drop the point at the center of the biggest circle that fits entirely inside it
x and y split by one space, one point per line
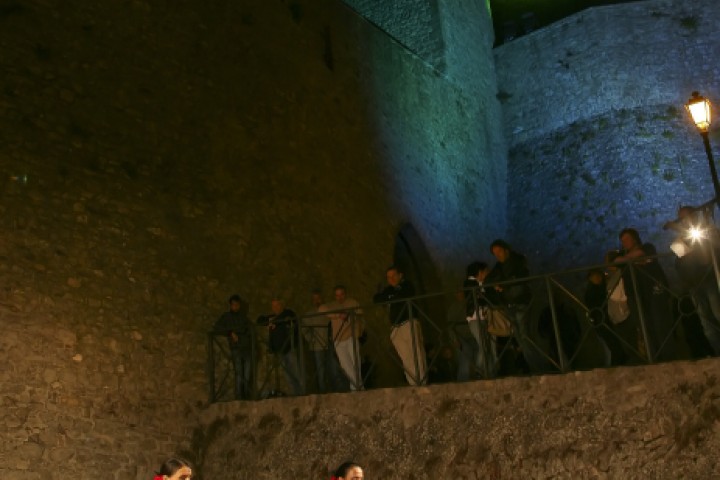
631 309
333 332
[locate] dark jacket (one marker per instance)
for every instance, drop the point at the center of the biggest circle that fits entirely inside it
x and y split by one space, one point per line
399 312
695 268
515 267
238 323
283 330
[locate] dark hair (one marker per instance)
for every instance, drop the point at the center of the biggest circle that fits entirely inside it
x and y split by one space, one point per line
340 286
234 298
172 465
393 267
343 469
500 243
633 233
474 268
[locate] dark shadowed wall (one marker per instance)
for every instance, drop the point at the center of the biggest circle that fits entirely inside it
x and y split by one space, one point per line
156 157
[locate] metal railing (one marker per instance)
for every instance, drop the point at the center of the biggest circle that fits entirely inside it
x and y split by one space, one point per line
560 329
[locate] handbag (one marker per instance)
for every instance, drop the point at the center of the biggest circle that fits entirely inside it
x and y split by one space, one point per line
499 324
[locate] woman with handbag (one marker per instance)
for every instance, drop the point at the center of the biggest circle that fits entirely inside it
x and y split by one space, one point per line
479 314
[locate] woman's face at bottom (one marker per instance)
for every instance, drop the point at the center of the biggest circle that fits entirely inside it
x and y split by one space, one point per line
355 473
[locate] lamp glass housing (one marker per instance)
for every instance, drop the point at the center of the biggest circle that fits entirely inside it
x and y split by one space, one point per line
699 108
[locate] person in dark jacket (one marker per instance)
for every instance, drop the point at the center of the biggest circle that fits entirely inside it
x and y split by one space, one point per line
648 296
283 340
515 297
240 334
694 265
406 334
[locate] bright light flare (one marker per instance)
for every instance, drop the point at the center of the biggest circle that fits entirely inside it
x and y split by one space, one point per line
695 234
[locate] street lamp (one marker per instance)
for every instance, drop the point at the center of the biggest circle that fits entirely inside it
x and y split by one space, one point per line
699 108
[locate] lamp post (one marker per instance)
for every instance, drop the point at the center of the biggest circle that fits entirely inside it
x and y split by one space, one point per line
699 108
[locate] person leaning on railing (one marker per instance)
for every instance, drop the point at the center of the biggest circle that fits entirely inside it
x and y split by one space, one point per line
647 295
235 325
406 335
283 338
346 320
477 315
694 265
515 299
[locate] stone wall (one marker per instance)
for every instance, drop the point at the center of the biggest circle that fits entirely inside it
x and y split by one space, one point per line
158 156
636 422
607 58
599 139
440 135
415 24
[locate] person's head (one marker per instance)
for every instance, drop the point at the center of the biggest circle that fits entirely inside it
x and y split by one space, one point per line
394 276
171 466
316 298
340 293
348 471
501 250
277 306
630 239
235 302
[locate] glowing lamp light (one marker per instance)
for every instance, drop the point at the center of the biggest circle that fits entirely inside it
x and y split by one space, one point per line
695 234
699 108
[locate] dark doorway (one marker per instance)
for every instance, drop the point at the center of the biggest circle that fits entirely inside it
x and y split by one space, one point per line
412 257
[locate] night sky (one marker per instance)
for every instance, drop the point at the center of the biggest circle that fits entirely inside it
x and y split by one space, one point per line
544 11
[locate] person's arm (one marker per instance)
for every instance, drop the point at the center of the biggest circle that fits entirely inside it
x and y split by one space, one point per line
632 254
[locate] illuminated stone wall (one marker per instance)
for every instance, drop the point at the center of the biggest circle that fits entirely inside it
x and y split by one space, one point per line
641 422
598 136
415 24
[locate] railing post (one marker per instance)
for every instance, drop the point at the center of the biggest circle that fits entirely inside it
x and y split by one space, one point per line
556 326
301 354
416 360
211 367
357 373
641 314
